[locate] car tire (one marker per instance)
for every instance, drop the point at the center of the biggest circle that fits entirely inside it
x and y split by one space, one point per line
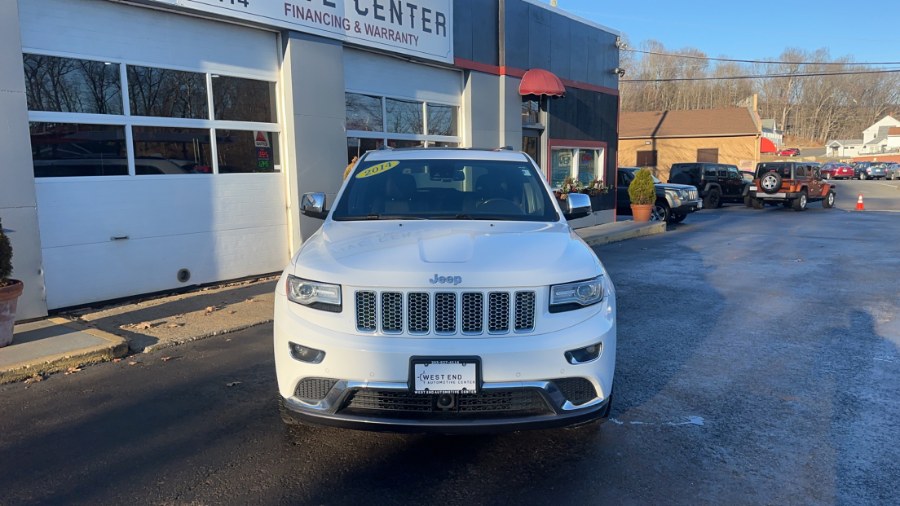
828 201
678 218
770 182
862 176
756 203
713 199
661 212
748 201
827 176
800 202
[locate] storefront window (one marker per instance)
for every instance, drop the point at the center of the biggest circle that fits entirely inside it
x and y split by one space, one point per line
364 112
531 111
397 143
583 164
404 117
164 150
239 99
561 166
587 166
247 151
77 150
441 119
356 146
72 85
167 93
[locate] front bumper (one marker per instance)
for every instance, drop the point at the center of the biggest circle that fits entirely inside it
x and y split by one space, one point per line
526 382
688 207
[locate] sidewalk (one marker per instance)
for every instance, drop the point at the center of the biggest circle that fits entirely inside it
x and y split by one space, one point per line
69 341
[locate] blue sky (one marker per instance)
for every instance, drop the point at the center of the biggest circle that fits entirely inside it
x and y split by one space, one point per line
867 32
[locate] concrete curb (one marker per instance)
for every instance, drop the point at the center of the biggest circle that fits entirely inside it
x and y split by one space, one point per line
112 347
175 342
620 231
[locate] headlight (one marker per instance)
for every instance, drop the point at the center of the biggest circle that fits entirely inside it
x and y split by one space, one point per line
675 195
576 295
314 294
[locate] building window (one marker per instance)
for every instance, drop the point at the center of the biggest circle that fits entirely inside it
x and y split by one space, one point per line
373 122
442 119
72 85
74 149
168 128
239 99
583 164
364 112
646 158
531 111
710 155
167 93
403 117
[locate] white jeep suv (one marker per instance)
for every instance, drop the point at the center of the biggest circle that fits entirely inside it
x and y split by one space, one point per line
445 292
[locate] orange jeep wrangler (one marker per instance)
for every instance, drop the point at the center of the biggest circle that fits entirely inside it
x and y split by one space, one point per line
794 184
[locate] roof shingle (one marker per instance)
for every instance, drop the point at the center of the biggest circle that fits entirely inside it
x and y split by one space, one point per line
695 123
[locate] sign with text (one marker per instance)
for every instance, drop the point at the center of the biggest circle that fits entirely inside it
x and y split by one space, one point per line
421 28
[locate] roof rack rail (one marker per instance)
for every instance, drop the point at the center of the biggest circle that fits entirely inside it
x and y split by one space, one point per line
384 147
504 148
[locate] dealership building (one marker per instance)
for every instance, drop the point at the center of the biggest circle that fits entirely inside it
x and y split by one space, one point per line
152 145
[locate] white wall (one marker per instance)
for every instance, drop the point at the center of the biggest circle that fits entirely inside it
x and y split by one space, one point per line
219 227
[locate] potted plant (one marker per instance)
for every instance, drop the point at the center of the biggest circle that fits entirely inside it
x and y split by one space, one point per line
10 290
642 192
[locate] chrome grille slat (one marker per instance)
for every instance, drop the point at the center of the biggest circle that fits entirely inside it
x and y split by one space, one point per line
365 311
524 311
498 312
392 312
446 312
418 313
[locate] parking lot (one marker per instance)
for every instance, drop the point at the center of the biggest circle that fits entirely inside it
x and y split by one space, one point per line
758 362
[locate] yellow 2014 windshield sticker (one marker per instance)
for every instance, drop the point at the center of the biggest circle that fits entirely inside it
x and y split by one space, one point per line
377 169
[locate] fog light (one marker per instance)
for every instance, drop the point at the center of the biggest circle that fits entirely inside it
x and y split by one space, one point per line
586 354
304 354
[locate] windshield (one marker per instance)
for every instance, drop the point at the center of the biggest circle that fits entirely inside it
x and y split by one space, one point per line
445 189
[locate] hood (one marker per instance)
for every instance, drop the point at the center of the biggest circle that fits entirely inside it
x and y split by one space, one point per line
673 186
428 254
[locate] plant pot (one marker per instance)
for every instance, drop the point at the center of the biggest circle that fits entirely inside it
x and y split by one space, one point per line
9 297
641 212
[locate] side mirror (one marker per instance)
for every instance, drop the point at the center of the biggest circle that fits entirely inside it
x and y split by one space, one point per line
313 205
577 205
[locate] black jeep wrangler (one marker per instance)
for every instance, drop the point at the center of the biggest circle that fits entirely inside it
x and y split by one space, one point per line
717 182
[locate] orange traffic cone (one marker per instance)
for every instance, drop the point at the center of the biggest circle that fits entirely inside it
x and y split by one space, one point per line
859 203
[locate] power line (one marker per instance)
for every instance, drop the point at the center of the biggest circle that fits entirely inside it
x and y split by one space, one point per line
694 57
761 76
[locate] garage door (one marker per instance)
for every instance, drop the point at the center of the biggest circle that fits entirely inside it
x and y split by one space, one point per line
155 139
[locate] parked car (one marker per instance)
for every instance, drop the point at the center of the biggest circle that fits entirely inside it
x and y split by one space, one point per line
837 170
445 292
789 152
717 182
872 170
673 201
793 184
892 170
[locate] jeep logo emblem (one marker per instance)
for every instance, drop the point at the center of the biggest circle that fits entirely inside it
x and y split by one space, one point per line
445 280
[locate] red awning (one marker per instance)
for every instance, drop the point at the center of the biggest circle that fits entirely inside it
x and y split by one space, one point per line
541 82
766 145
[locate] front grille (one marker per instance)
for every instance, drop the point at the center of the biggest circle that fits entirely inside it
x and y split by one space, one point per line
314 389
692 195
576 390
486 404
445 313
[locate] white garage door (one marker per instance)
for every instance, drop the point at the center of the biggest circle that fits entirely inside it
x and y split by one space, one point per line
155 139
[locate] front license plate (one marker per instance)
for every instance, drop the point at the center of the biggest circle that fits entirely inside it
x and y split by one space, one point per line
440 376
